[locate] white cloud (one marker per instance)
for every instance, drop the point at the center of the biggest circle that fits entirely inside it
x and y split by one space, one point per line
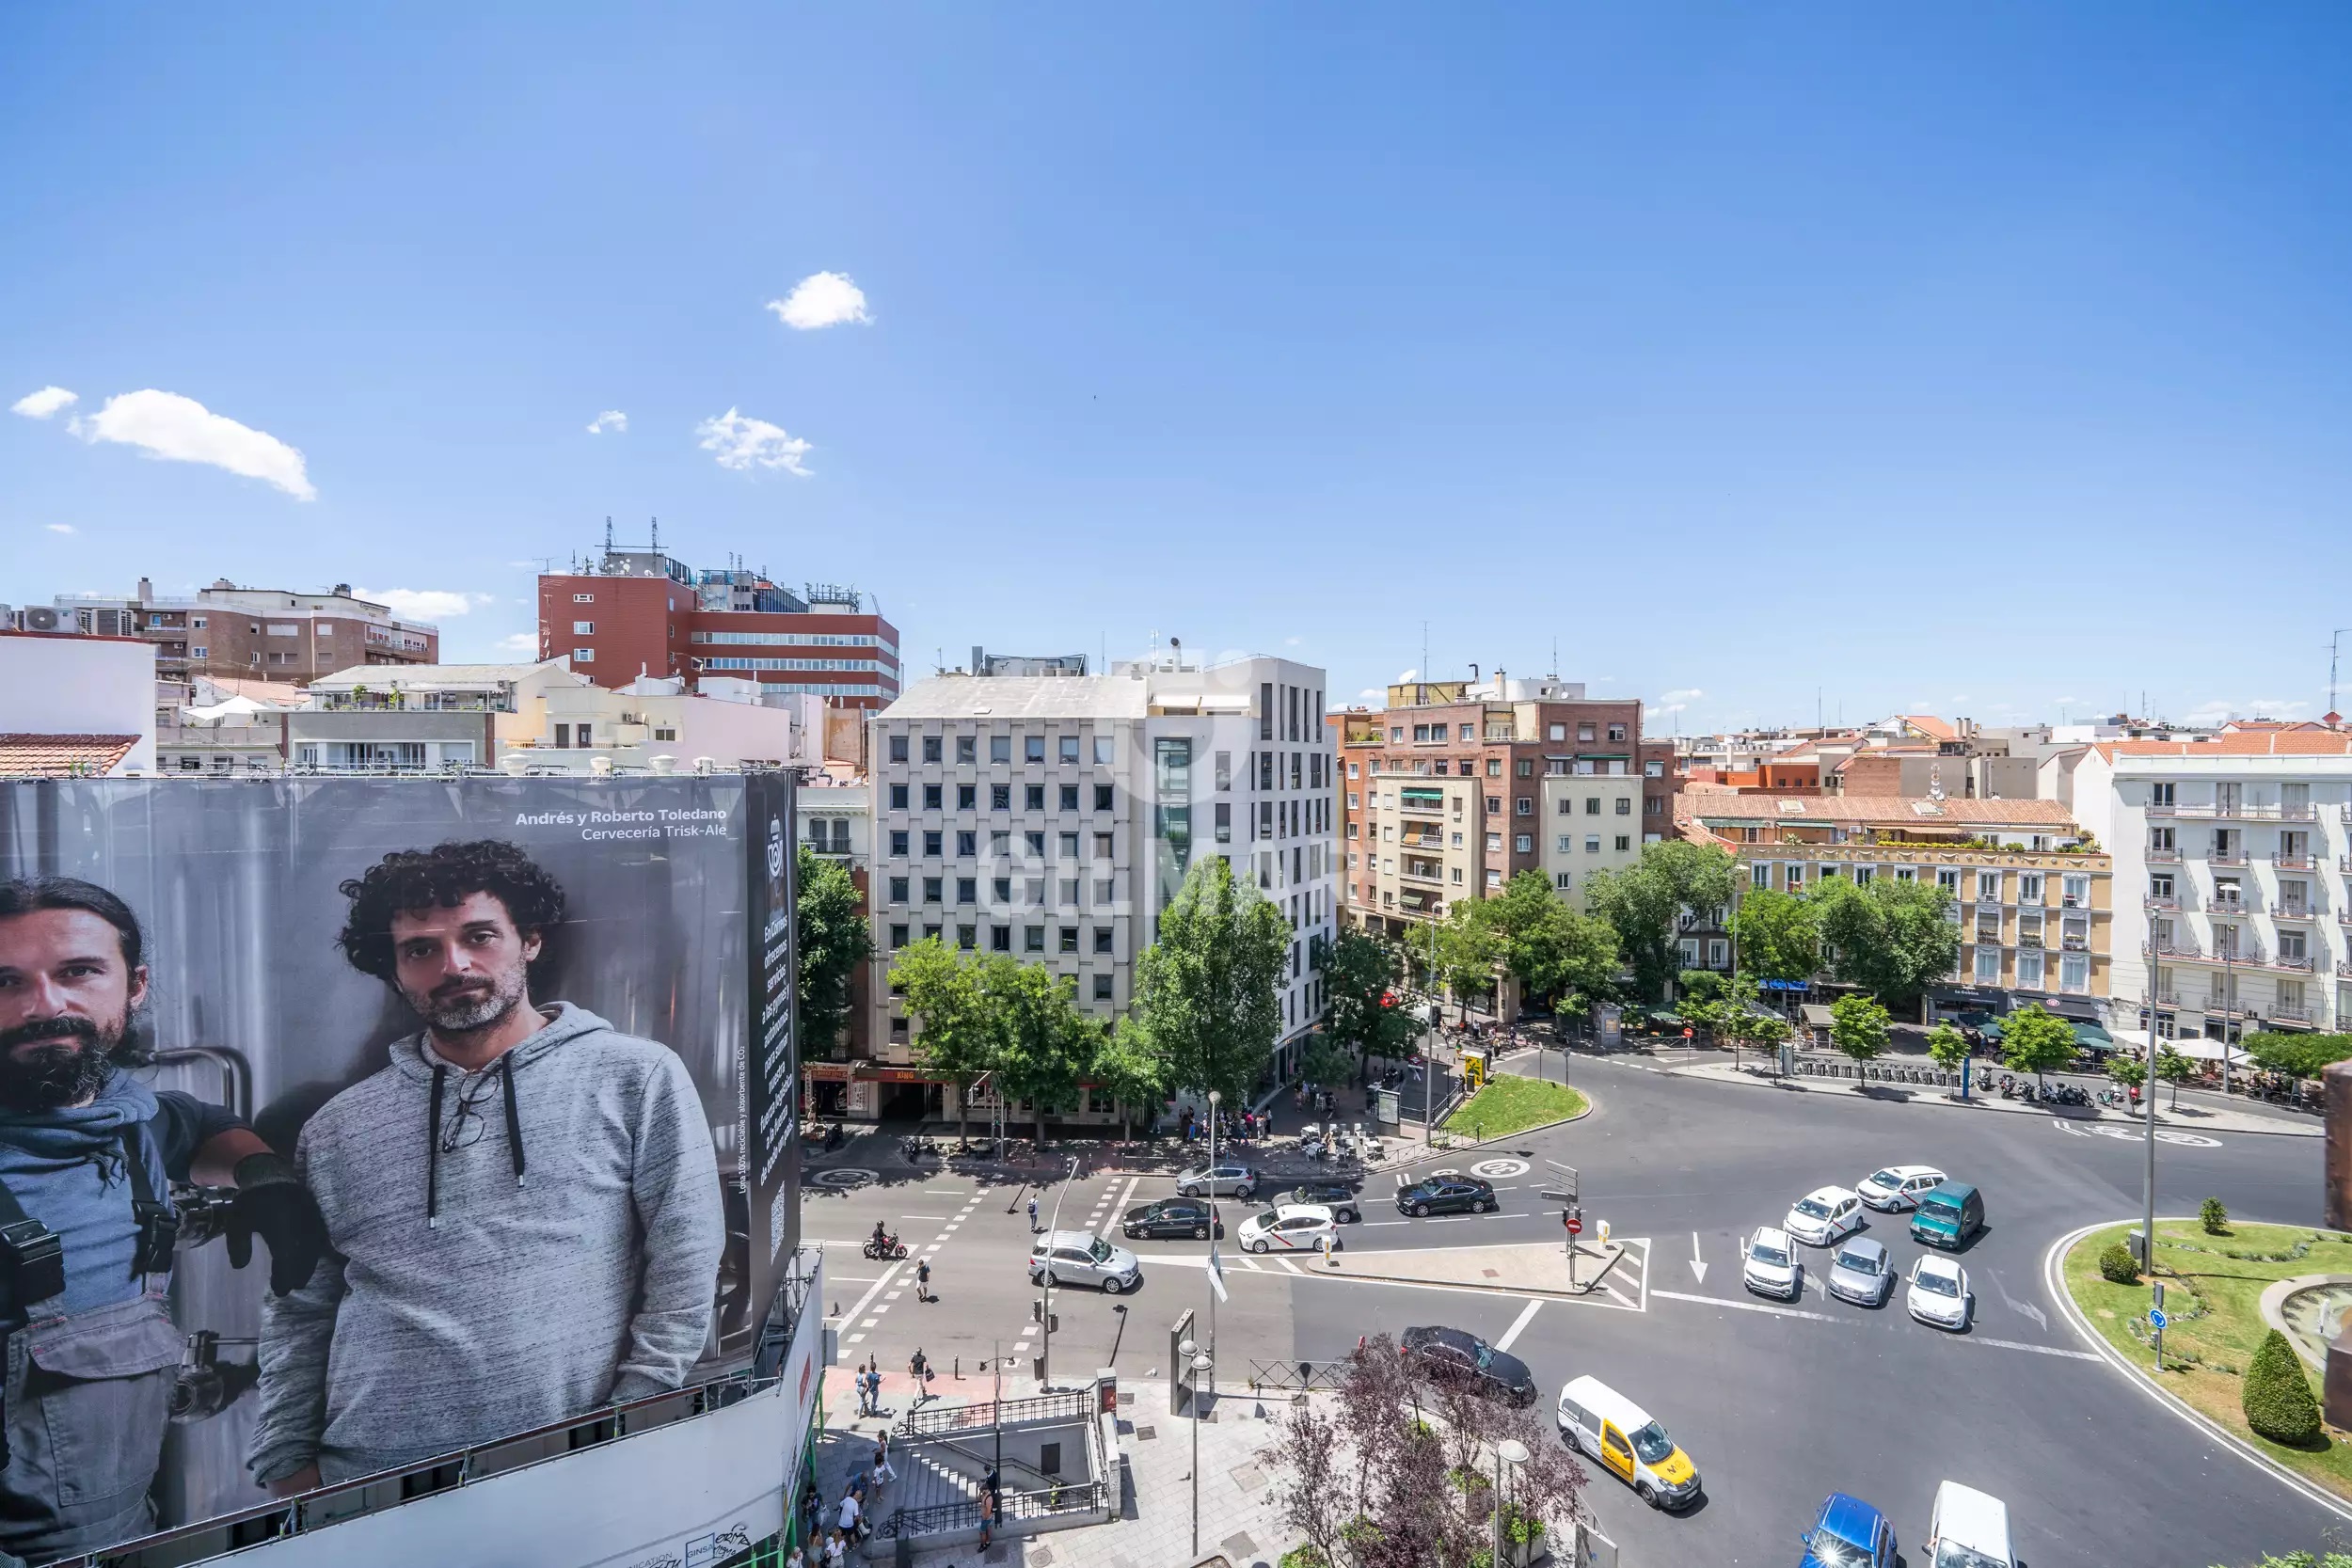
611 420
40 405
2069 701
426 604
1373 693
166 425
1663 709
740 442
1293 642
821 299
523 642
1682 697
58 527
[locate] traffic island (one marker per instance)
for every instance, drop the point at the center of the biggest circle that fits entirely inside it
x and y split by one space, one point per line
2216 1290
1510 1104
1526 1268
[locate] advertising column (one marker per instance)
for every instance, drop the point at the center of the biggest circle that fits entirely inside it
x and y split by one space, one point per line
770 1071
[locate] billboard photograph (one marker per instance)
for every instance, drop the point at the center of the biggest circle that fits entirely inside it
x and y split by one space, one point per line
347 1124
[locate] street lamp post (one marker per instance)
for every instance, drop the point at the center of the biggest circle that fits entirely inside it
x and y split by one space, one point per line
1510 1452
1200 1364
1216 1099
1046 1311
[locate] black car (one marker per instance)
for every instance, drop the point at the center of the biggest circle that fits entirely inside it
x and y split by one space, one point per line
1452 1354
1172 1216
1337 1196
1447 1192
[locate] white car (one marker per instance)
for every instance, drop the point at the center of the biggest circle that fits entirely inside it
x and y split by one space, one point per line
1823 1215
1938 1294
1768 1265
1292 1228
1893 1189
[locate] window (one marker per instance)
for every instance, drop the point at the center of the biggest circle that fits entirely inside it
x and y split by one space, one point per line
1035 840
2029 887
1760 874
897 890
1653 769
1988 887
1947 877
1102 847
1224 822
1033 798
899 750
967 748
931 748
932 797
967 892
1033 939
967 844
2161 795
1065 747
1000 843
1102 988
2074 972
1033 748
1564 843
1792 875
1000 938
1069 797
899 841
1718 952
1862 875
1494 844
2074 891
580 628
1592 805
1592 844
967 796
1988 966
2029 961
1559 879
1584 732
1000 797
1070 892
1557 732
930 842
1625 842
1000 748
1102 797
583 656
1494 765
200 651
1524 844
1527 768
1102 750
1906 873
583 598
1102 938
1352 771
1069 846
2161 842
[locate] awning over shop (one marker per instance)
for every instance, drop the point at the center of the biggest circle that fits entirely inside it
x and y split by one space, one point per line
2092 1036
1816 1015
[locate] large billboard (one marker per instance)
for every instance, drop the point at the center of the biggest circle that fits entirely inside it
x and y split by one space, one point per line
349 1122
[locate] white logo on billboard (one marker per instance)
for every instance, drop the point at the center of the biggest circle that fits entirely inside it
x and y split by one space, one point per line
775 849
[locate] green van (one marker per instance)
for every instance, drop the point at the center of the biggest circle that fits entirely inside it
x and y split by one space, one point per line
1948 1215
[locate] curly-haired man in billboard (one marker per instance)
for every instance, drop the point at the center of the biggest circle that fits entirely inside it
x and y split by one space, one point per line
87 1153
524 1204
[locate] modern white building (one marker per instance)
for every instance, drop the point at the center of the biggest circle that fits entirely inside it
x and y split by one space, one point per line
76 703
1054 816
2231 857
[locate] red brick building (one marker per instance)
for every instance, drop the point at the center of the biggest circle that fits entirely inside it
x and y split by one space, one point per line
640 611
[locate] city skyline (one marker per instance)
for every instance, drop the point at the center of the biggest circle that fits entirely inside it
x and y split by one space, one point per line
1715 355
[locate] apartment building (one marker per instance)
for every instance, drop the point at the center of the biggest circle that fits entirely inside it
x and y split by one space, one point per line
834 812
1445 790
256 633
635 611
2232 856
2034 897
1587 823
1054 816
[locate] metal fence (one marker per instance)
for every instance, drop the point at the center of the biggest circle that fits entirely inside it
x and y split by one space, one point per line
951 1420
1299 1376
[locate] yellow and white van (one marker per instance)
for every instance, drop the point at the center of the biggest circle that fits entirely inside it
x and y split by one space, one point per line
1599 1421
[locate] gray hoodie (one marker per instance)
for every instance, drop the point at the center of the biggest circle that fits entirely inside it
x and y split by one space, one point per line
484 1284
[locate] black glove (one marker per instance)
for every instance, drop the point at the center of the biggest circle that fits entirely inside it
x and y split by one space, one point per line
273 1203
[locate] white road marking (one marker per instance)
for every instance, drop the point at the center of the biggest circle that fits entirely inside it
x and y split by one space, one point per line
2020 1344
922 1217
1286 1264
871 1291
892 1296
1369 1222
1697 1267
1251 1265
1527 1315
1752 1307
945 1192
854 1339
832 1278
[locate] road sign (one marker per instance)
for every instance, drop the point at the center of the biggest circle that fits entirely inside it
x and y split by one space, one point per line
2156 1318
1576 1227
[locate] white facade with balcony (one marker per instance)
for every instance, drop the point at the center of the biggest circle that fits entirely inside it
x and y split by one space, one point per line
2232 903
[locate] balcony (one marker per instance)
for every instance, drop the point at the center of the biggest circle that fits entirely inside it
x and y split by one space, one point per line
2161 902
2344 968
2165 809
2232 856
2294 1013
2293 963
2229 908
2292 862
2167 997
2169 857
2293 911
1429 875
2171 947
1406 802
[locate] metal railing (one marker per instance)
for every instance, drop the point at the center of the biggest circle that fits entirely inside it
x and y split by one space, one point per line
1300 1375
2170 947
951 1420
2230 857
2293 1012
2293 911
2165 855
2299 862
2161 902
2299 963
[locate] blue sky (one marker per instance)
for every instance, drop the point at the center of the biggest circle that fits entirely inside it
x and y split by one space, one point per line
1995 362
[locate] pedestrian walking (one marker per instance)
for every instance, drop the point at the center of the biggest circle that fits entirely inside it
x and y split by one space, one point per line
884 1471
923 1281
1033 1216
987 1519
834 1551
850 1514
920 1369
865 1393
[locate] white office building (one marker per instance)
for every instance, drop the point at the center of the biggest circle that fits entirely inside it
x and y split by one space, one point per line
1053 818
2231 865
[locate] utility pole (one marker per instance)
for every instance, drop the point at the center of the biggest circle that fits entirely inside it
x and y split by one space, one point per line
1045 1312
1216 1097
2335 641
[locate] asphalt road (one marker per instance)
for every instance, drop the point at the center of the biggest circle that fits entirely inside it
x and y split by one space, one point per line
1777 1405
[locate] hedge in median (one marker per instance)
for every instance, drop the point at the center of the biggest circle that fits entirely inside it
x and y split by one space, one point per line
2278 1399
2117 1265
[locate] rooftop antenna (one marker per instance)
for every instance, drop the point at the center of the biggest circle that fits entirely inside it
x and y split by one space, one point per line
657 534
1425 650
1555 658
2334 638
608 532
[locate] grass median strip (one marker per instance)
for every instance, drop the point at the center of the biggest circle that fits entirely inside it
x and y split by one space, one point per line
2213 1286
1509 1103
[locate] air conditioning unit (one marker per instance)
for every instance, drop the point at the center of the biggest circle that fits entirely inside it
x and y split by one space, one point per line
41 617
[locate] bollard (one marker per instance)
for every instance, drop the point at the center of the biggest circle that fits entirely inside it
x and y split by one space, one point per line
959 1373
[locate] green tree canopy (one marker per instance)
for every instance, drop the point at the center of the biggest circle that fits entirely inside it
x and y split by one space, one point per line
1469 948
1892 939
1361 971
1641 902
1548 947
833 940
1046 1045
1858 1027
2302 1055
2175 1069
1779 935
954 1032
1129 1070
1207 998
2037 1043
1948 1047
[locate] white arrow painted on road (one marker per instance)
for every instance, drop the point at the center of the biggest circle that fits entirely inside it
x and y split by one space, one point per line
1696 1266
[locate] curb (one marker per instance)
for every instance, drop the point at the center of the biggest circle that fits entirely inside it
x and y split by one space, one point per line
1591 1104
2053 1280
1712 1075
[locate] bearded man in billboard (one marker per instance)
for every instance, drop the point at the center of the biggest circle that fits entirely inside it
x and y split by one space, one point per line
88 1154
523 1205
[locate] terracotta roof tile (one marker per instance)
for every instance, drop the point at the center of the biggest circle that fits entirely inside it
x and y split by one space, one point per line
1887 809
2256 743
58 756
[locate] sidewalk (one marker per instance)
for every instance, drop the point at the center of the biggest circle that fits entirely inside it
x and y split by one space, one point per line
1238 1516
2188 1118
1524 1268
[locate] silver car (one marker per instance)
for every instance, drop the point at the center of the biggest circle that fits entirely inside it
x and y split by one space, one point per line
1228 1178
1861 1271
1081 1258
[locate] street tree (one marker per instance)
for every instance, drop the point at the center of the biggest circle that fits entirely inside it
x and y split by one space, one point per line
1310 1491
1737 1016
2175 1069
1948 1047
1858 1028
1548 947
833 940
1207 994
1128 1068
1368 1013
2130 1071
1892 939
1777 936
2037 1043
1641 903
954 1034
1469 948
1044 1044
2296 1055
